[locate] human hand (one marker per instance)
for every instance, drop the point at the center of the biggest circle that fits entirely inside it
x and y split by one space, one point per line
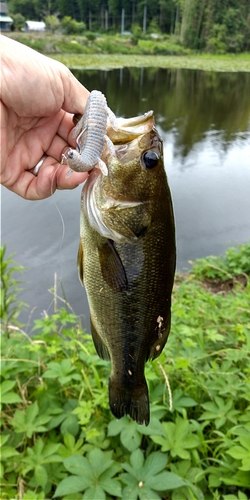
38 99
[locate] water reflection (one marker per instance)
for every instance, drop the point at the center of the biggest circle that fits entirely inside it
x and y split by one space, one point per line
192 103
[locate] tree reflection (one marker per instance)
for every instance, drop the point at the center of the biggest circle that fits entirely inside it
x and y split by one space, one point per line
191 103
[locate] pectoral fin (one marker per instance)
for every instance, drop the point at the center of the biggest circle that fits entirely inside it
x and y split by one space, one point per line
112 268
80 262
101 348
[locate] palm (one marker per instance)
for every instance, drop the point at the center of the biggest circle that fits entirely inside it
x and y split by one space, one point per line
27 142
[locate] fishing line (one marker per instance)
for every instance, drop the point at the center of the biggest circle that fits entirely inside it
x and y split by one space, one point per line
59 254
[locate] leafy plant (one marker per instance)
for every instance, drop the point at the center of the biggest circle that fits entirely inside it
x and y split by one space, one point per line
220 411
7 395
93 474
241 450
145 478
235 261
29 421
10 306
60 440
36 459
177 438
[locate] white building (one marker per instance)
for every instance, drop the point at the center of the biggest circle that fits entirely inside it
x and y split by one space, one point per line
34 26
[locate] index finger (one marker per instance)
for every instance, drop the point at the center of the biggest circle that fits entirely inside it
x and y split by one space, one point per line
51 176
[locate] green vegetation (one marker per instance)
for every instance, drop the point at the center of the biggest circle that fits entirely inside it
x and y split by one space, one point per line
59 439
89 43
210 26
78 52
10 305
201 62
234 263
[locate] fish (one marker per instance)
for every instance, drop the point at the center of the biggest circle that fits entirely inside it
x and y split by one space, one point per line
127 258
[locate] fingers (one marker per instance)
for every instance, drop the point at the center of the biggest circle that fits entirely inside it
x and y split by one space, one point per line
52 138
38 121
49 85
64 181
51 176
58 148
75 94
65 129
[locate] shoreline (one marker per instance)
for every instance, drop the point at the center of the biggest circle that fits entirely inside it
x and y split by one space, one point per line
115 52
202 62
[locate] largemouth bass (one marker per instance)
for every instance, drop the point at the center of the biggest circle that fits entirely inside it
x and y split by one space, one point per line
126 259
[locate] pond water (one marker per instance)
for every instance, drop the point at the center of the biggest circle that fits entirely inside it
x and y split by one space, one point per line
204 120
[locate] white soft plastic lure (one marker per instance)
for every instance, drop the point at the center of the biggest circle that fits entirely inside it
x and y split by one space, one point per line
91 135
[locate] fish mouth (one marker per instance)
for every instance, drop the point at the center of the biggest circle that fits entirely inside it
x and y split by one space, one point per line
135 121
128 129
119 136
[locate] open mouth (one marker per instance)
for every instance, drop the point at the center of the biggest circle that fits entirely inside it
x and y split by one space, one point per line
90 155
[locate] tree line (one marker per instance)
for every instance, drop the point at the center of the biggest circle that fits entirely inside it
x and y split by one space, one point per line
206 25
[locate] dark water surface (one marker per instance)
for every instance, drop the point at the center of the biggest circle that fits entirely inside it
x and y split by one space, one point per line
204 120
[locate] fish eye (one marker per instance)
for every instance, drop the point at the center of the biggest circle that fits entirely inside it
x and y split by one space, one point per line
149 159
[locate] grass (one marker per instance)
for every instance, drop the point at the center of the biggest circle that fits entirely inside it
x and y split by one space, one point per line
116 52
60 440
201 62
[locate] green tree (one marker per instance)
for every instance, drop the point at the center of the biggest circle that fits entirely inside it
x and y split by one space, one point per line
52 23
71 9
46 7
25 7
217 43
211 25
71 26
19 21
228 22
236 27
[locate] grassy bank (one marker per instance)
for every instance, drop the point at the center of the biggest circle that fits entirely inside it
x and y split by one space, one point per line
59 437
115 52
203 62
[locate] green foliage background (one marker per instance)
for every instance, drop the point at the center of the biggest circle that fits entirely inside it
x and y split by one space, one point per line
209 25
59 439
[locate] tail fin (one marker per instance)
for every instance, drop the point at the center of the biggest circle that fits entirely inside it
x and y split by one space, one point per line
129 402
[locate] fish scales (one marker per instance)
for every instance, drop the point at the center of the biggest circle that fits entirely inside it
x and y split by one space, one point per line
126 260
